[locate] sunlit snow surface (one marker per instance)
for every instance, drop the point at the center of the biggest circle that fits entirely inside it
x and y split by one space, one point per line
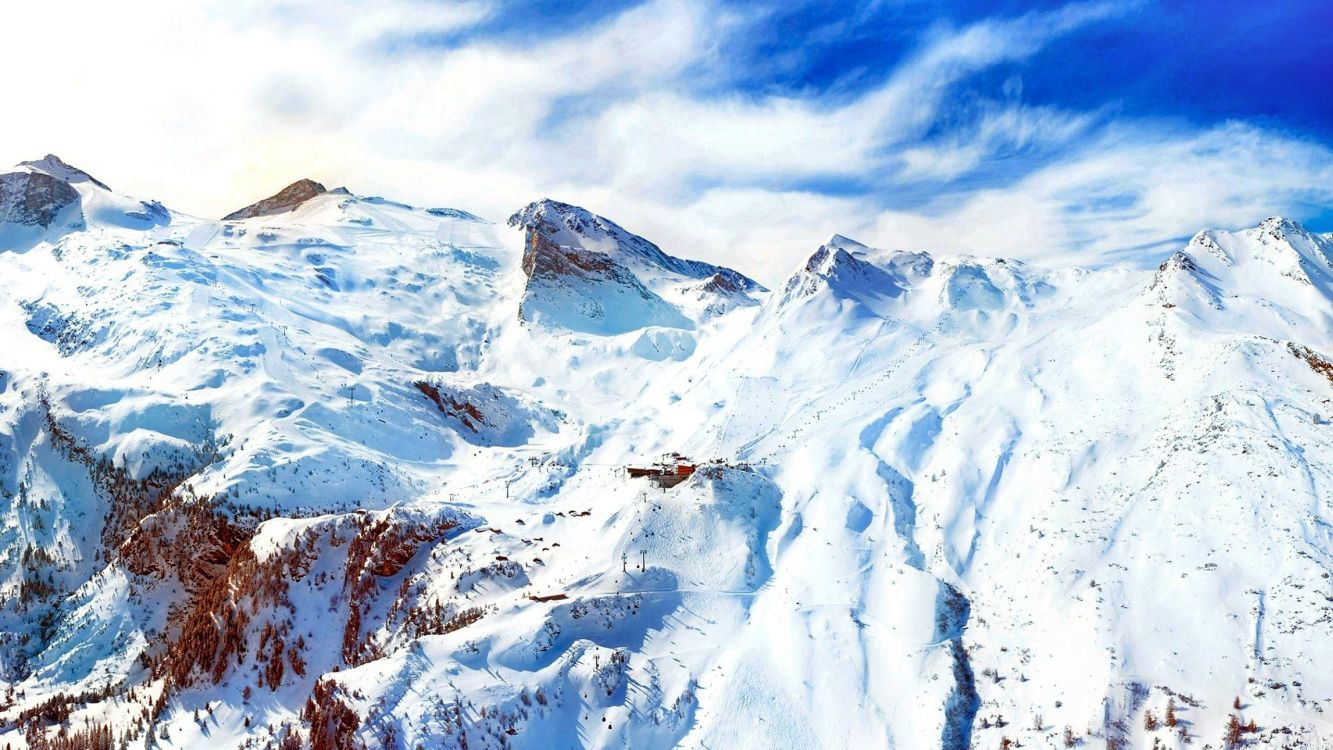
964 499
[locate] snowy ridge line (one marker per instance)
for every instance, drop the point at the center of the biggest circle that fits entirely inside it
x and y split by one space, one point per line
936 500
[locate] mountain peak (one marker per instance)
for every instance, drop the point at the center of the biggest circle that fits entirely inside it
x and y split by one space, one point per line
280 202
590 274
56 167
1281 222
1282 228
841 265
843 242
568 225
550 215
576 277
1179 261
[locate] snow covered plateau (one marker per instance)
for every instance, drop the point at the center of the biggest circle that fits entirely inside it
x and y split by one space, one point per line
338 472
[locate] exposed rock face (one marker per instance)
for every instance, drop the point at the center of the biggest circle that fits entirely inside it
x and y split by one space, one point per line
562 222
543 258
464 411
579 275
281 202
721 293
721 283
1178 261
33 199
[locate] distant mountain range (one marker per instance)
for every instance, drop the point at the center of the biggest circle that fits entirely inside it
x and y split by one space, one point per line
339 472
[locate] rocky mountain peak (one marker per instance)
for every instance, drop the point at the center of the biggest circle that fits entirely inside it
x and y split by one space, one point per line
568 226
842 242
586 273
1178 261
842 255
847 269
1280 227
56 167
280 202
551 214
33 199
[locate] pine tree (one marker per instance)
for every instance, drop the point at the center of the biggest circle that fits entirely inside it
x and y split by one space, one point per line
1232 736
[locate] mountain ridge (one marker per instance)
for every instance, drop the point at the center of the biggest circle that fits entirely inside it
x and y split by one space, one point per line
354 473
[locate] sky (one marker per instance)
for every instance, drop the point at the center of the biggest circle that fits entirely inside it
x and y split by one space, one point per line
738 132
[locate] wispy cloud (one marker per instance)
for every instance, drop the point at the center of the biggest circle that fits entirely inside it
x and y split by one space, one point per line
636 113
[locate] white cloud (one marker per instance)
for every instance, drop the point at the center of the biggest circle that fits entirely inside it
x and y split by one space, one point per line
1131 187
208 106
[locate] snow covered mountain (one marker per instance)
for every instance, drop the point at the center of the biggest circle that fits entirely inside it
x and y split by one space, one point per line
338 472
586 273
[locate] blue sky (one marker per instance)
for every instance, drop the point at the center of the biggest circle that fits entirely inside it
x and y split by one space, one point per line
1200 61
1091 132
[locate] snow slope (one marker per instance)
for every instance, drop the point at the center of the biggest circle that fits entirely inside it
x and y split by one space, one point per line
343 472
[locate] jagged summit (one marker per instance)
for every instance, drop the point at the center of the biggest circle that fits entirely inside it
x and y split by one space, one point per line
1280 226
1311 247
1179 260
572 226
280 202
580 275
36 193
552 212
587 273
56 167
843 242
1263 258
849 268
